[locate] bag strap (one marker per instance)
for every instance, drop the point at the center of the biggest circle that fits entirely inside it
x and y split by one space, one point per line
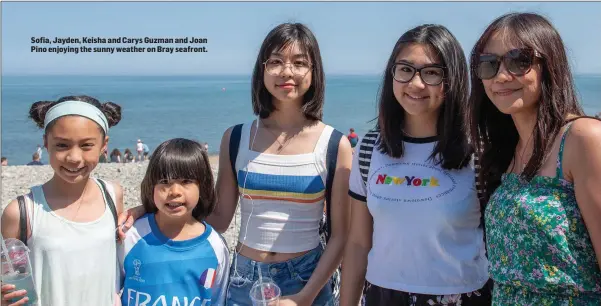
234 146
366 148
110 202
331 160
22 219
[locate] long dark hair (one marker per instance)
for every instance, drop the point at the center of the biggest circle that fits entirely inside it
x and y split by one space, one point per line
180 158
494 134
281 37
452 150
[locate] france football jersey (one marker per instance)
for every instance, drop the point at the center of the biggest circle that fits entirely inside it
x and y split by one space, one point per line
157 271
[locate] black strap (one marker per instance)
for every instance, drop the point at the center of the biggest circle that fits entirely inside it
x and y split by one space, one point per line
22 219
110 202
366 148
234 146
331 160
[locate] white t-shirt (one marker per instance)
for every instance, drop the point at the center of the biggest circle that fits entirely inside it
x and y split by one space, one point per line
426 235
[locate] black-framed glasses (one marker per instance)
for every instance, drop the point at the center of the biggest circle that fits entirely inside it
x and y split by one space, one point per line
430 74
517 61
275 66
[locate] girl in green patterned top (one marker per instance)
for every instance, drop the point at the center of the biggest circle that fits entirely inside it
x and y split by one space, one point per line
540 166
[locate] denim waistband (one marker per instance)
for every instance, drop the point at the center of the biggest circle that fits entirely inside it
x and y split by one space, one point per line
250 267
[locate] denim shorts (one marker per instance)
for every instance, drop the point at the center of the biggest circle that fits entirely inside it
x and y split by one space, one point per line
291 276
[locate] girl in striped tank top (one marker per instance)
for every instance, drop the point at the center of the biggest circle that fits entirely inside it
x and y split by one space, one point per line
280 177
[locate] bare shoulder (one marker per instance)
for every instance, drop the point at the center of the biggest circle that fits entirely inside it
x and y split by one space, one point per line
119 194
225 142
345 146
585 133
10 220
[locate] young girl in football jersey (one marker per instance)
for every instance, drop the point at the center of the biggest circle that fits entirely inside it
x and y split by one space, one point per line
170 254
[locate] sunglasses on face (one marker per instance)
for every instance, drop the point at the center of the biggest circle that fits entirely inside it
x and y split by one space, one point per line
431 74
517 61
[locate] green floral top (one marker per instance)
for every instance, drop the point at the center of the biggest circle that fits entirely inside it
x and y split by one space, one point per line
539 249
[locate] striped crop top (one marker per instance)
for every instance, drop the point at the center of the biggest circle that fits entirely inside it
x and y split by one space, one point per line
281 196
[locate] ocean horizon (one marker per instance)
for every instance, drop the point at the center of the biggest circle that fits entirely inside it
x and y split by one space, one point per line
200 107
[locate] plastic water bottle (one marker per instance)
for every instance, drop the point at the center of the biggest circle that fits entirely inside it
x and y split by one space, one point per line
16 269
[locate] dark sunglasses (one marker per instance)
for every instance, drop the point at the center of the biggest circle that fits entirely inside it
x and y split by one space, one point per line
517 61
431 74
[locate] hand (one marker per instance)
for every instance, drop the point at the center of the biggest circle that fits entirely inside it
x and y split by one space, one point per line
127 218
6 288
294 300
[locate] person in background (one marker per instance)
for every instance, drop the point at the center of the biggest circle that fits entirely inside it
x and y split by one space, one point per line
128 156
35 160
146 150
39 151
140 150
115 156
353 138
4 161
104 157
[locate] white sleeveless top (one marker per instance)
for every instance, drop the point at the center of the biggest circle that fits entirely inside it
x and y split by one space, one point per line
73 263
281 196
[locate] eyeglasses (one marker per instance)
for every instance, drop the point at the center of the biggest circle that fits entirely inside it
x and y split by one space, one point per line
517 61
275 67
431 74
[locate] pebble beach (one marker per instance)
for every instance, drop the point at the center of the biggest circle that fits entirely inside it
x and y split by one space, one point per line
17 180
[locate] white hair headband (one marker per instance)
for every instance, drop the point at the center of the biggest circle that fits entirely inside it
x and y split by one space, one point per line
77 108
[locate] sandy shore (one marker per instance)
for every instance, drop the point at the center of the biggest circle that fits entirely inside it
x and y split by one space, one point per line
17 180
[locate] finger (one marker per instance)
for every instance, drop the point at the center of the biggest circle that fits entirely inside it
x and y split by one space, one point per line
14 294
129 223
22 301
122 217
7 287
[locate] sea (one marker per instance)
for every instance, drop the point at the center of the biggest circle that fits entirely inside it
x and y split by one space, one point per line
157 108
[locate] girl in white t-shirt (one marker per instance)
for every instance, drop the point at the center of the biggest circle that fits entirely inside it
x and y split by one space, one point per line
416 235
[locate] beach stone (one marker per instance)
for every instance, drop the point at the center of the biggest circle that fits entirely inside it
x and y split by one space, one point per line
17 180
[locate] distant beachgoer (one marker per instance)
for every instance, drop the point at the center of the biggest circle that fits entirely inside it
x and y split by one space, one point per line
146 151
4 161
39 151
540 166
70 220
140 150
115 156
414 176
35 160
128 156
172 244
104 158
352 137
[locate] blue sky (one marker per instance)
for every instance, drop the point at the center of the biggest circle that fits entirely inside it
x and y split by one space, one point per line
354 37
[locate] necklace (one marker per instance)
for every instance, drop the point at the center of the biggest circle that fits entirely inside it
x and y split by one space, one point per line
286 142
408 135
79 204
522 161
